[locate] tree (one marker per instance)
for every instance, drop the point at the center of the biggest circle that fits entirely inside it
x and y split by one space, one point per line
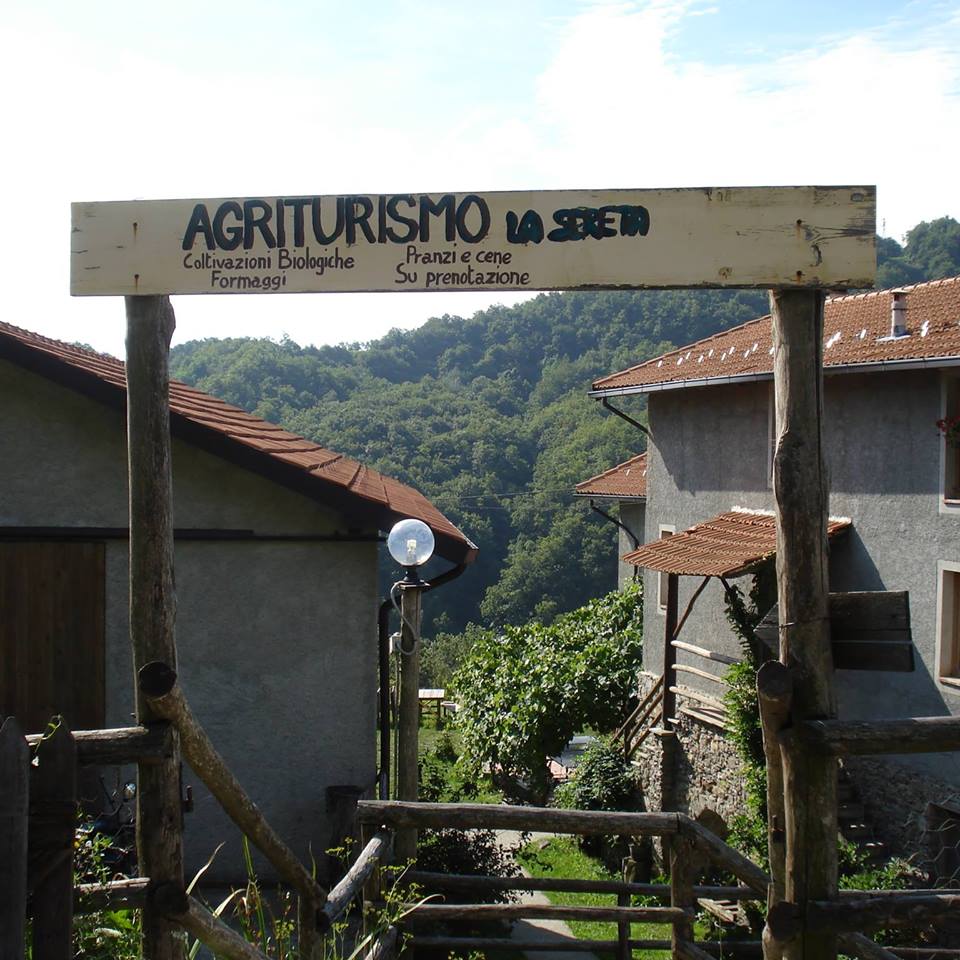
525 691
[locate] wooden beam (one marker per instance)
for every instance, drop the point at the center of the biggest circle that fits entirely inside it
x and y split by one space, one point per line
150 325
774 694
198 921
121 745
682 859
681 690
443 912
455 881
800 487
873 913
871 737
706 654
723 855
373 854
397 813
14 804
697 672
115 895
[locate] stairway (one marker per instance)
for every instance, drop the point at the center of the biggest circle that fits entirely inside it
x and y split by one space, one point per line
853 822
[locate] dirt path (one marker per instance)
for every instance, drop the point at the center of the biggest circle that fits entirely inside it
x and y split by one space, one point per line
542 930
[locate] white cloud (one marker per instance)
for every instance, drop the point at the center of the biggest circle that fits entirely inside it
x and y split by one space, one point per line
593 100
879 107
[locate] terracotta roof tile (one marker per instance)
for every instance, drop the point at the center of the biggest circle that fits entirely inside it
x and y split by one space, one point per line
383 499
625 481
856 331
724 546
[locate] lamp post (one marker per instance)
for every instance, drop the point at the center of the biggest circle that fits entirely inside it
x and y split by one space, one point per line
411 544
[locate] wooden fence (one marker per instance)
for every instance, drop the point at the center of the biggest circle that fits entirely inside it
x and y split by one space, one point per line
692 850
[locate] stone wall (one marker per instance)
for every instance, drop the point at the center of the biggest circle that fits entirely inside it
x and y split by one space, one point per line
895 799
706 768
707 774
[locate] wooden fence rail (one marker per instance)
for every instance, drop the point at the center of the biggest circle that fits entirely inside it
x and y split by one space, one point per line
689 842
119 746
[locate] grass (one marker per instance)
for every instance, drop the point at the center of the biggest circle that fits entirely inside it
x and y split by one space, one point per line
562 857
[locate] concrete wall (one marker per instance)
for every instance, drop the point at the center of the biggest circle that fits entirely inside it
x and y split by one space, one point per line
276 640
711 452
632 514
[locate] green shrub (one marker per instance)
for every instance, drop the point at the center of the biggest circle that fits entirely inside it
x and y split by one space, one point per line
525 692
603 780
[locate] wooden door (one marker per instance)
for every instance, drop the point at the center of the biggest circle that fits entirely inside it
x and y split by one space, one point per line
52 636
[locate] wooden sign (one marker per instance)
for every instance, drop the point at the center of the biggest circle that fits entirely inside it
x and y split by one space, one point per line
550 240
868 631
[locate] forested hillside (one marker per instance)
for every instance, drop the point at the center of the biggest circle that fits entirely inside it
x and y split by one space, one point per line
488 417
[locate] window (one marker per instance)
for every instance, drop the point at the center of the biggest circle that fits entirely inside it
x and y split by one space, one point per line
665 530
948 626
950 451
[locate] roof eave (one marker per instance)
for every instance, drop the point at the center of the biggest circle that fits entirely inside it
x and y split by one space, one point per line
873 366
227 448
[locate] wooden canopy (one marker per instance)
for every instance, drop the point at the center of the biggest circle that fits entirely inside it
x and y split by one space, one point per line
727 545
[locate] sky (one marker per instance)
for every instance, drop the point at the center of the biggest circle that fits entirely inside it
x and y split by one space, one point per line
120 100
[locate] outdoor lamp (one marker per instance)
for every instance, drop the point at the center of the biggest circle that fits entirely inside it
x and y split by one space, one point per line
411 543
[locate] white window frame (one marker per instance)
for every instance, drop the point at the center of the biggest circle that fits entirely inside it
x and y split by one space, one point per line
948 597
669 529
948 382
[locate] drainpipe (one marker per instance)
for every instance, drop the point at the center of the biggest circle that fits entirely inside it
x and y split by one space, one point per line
616 522
605 403
383 651
636 540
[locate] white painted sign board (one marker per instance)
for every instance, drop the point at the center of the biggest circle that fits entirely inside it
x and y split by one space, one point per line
547 240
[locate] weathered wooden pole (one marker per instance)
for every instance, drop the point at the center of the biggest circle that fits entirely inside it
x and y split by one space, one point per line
800 486
14 803
150 325
774 692
408 721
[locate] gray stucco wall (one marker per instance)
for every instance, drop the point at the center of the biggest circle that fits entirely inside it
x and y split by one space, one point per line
710 452
632 514
277 641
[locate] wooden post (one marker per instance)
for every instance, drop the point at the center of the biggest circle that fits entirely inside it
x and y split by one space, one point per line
800 485
408 725
150 325
774 693
682 852
14 798
774 689
372 889
669 710
623 930
53 801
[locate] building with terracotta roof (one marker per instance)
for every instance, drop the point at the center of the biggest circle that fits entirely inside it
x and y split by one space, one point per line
892 371
276 552
625 486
